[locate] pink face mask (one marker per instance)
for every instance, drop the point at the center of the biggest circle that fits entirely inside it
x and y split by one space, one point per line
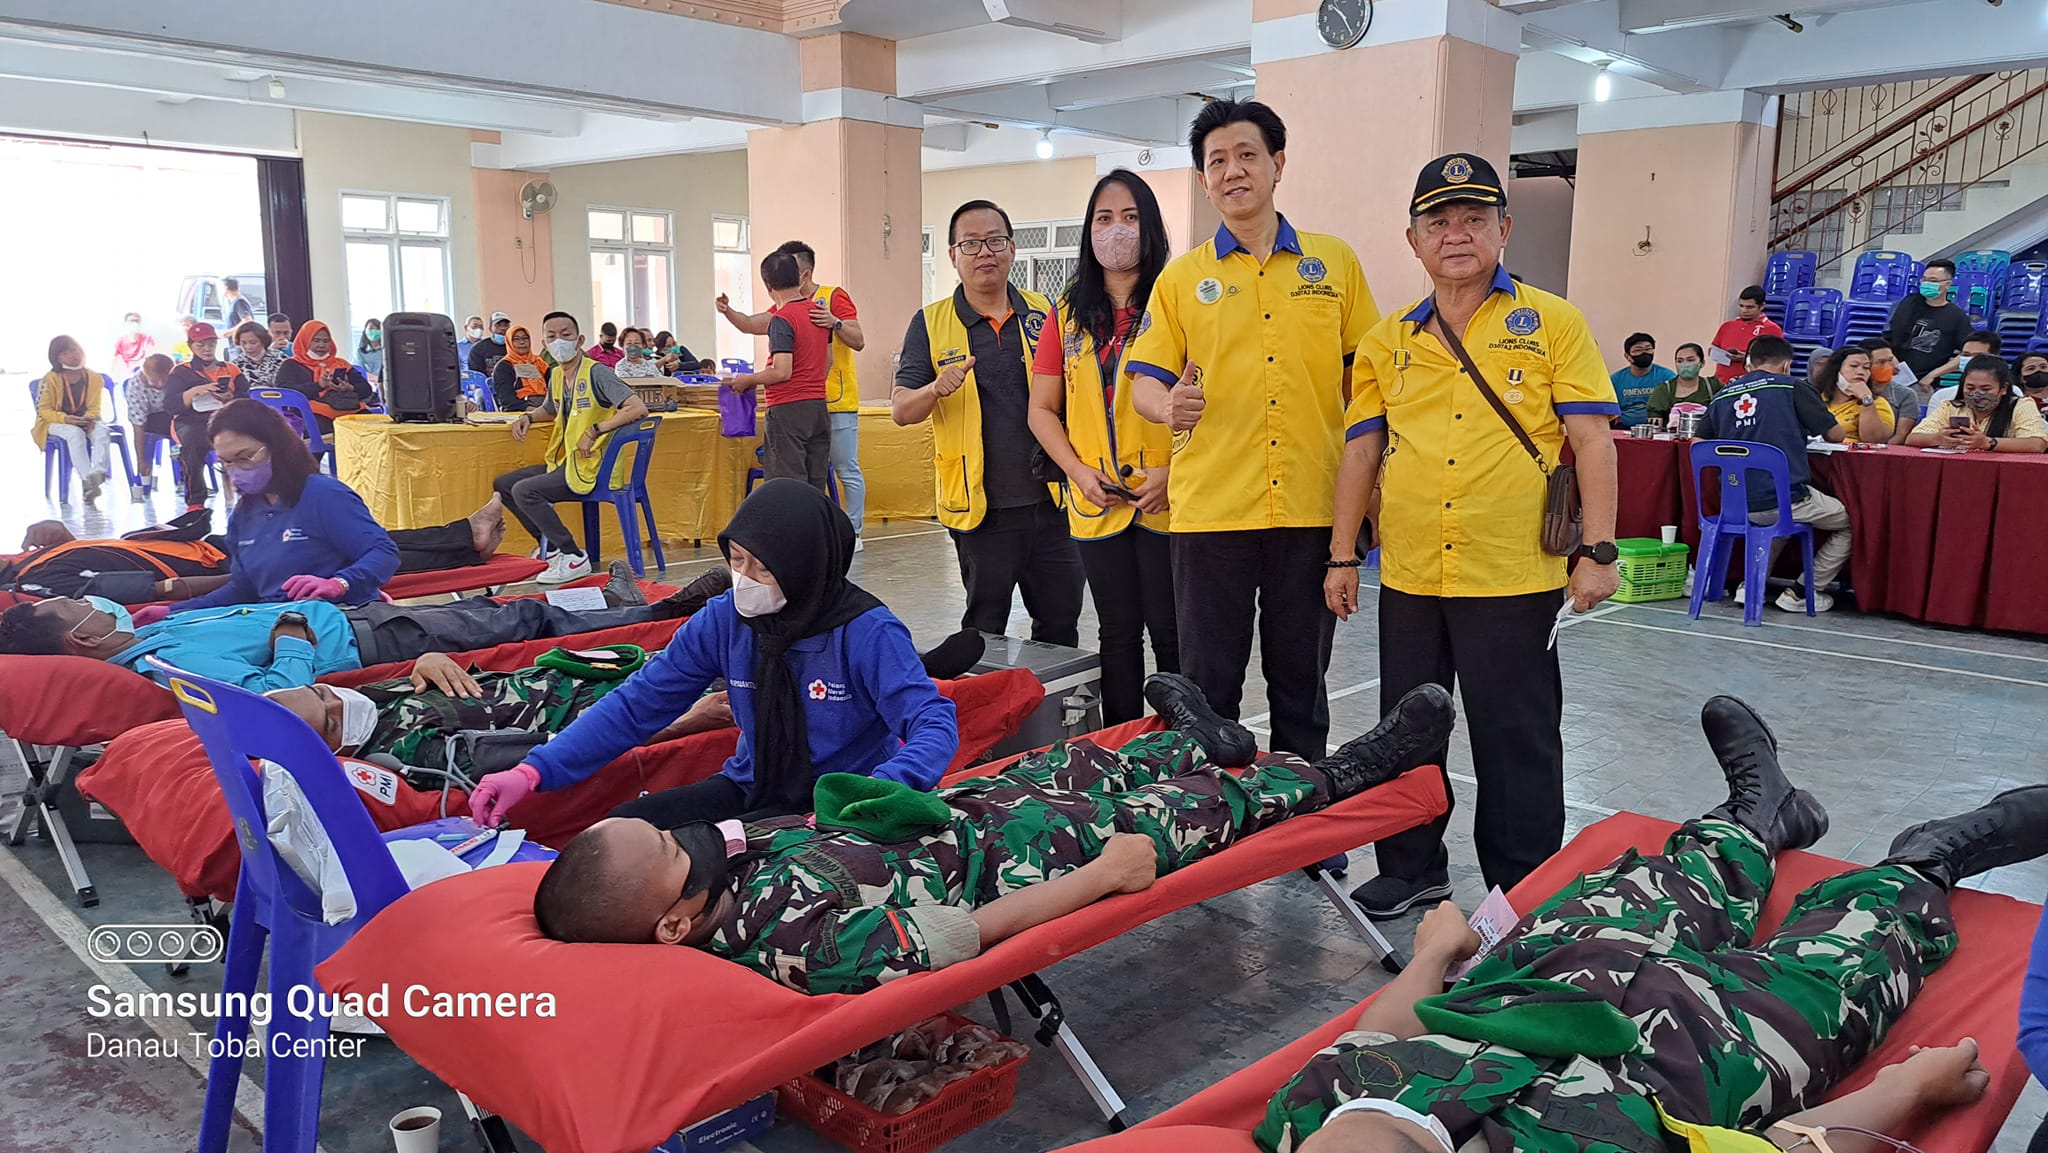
1116 247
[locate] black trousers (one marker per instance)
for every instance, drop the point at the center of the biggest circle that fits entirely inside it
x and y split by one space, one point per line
1130 576
532 494
1494 652
451 545
1222 581
715 798
1022 548
193 449
386 633
798 441
2040 1142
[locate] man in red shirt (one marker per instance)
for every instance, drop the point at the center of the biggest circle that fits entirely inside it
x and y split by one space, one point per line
1731 342
799 436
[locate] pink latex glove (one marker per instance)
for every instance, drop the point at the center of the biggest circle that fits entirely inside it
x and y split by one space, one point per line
150 614
499 792
305 587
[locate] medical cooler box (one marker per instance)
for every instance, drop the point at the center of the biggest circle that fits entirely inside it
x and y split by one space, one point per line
1072 679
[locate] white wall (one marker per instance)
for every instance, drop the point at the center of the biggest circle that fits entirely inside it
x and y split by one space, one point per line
692 188
1540 251
359 154
1038 190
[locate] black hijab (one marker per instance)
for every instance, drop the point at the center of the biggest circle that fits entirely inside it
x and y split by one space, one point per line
806 543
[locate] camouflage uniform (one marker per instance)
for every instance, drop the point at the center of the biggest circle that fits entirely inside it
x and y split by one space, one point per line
1731 1036
413 726
833 912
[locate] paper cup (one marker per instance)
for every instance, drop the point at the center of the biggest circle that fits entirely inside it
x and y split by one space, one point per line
1670 532
417 1130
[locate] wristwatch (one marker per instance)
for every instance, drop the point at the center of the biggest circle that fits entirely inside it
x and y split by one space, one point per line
343 582
1867 401
1602 552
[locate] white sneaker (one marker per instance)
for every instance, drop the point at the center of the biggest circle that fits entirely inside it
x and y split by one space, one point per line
1739 591
1794 601
859 543
138 492
565 567
91 485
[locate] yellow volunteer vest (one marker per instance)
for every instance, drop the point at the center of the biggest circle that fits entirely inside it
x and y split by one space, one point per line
956 419
1106 439
576 409
1710 1139
842 389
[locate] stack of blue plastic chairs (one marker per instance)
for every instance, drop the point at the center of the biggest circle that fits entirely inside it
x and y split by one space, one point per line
1980 284
1813 320
1881 280
1786 273
2019 308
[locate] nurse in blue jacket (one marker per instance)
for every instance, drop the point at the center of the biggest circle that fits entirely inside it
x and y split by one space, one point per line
822 678
295 533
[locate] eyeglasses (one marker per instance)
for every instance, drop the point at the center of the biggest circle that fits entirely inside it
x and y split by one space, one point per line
250 461
992 245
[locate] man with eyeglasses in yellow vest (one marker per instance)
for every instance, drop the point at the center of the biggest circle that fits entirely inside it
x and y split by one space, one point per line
831 308
966 366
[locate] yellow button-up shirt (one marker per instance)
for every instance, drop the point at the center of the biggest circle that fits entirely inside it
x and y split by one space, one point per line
1272 341
1461 502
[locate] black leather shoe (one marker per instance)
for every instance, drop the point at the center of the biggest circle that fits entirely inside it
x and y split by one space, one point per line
1420 724
2012 828
1183 707
623 589
1386 897
693 596
1760 798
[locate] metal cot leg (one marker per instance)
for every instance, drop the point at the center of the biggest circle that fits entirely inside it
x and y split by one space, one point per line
1390 957
1039 1001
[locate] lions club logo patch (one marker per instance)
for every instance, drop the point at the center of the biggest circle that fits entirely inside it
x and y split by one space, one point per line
1523 321
1144 324
1034 323
1457 170
1209 291
817 690
1312 269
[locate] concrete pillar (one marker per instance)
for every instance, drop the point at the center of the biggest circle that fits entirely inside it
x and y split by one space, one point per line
515 256
848 182
1671 214
1432 76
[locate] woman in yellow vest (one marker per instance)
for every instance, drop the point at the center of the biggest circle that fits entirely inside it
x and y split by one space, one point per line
586 403
1115 461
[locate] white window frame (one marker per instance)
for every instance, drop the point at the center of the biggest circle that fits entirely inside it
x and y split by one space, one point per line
393 240
729 342
626 248
1025 273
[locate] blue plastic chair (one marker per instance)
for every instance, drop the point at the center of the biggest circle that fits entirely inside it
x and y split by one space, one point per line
291 401
274 907
56 459
477 387
1813 315
1977 293
117 433
623 498
1786 272
1884 276
758 473
735 365
1738 460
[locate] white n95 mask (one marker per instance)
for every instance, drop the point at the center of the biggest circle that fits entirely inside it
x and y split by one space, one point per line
358 717
1396 1109
751 598
563 350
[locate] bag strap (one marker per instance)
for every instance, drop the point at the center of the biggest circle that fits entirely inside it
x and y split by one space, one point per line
1457 348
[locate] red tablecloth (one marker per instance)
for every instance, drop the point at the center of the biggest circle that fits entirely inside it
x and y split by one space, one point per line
1648 496
1925 545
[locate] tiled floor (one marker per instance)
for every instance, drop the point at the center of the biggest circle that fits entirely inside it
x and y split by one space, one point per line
1888 722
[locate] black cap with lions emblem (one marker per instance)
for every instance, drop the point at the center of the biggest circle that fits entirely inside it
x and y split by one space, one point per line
1459 176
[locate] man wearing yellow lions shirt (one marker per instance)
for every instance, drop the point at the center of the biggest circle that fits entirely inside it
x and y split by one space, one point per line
1468 595
1245 351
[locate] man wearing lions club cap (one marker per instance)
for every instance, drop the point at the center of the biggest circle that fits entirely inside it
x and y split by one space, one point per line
1461 406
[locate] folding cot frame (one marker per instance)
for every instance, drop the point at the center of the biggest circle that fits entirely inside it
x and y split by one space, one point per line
1053 1032
48 769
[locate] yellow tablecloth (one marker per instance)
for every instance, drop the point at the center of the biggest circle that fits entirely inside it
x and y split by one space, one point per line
896 462
420 475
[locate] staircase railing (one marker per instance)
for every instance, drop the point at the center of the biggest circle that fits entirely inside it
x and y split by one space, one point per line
1818 132
1964 138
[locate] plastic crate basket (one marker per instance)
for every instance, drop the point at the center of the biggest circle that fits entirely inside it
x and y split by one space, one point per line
1650 570
964 1105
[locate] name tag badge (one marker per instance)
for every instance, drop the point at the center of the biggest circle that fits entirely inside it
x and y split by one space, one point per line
951 356
1209 291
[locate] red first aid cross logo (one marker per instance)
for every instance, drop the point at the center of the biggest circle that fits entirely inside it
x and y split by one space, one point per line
817 690
1746 407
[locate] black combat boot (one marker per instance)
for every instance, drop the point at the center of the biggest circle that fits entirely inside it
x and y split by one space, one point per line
1420 724
2011 828
1183 707
1760 799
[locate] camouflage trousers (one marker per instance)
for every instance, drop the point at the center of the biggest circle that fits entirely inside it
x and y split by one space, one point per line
1733 1033
1050 814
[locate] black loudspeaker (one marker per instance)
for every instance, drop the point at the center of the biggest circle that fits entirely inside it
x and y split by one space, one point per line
422 375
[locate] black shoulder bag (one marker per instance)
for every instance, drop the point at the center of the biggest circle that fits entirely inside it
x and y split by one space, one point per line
1563 521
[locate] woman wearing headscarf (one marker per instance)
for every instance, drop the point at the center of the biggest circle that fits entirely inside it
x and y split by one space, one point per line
822 679
520 379
335 386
